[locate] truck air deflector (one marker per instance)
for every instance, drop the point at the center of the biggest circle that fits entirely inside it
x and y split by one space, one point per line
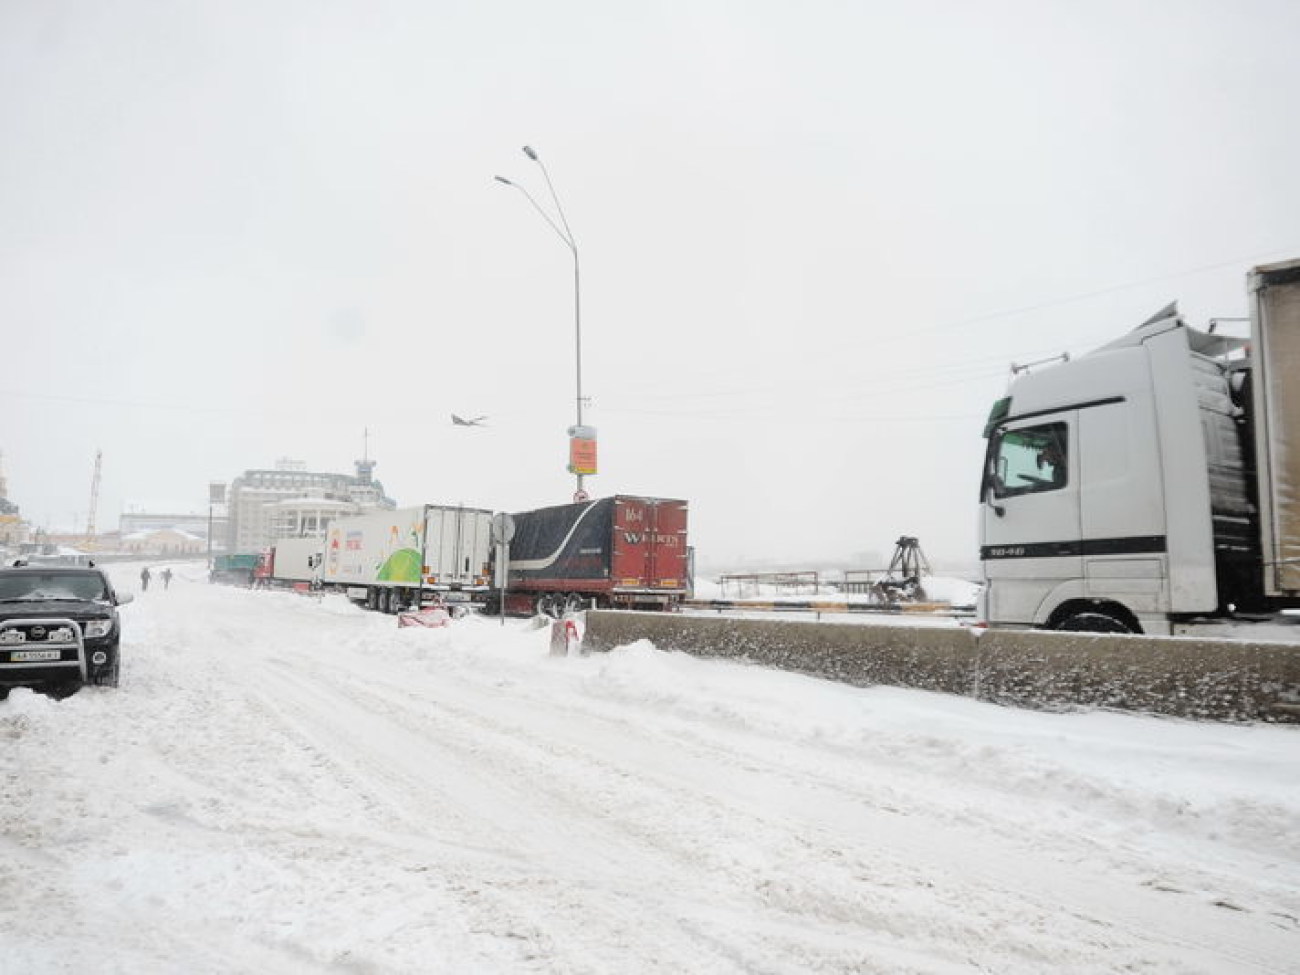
1139 545
997 415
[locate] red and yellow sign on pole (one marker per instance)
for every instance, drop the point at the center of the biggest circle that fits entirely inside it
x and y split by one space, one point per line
582 455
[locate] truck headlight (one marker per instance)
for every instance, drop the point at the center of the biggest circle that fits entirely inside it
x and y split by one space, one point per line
96 628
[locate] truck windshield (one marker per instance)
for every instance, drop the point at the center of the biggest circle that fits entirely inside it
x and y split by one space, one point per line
1030 460
51 585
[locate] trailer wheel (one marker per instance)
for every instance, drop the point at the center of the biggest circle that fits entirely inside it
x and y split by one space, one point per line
1093 621
573 603
550 604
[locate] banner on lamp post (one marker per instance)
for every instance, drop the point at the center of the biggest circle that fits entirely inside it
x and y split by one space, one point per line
582 450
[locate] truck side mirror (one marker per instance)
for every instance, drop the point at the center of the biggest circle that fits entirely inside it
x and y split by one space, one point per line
989 499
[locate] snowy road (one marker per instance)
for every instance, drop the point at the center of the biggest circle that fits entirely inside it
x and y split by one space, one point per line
292 785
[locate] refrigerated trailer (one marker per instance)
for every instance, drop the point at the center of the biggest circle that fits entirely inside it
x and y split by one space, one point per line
399 559
621 551
1152 485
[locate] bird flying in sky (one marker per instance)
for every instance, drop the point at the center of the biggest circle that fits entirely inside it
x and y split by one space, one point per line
460 421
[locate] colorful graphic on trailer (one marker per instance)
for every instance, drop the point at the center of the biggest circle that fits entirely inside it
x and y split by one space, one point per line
379 547
402 566
401 558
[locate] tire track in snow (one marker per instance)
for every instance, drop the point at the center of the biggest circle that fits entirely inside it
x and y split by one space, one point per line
1068 874
519 834
867 892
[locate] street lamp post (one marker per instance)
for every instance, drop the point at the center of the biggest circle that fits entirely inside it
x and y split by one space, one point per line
565 234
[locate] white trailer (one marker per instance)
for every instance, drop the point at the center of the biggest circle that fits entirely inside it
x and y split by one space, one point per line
1152 485
295 560
1275 314
393 560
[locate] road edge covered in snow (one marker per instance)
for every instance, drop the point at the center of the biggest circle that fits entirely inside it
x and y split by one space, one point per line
1227 680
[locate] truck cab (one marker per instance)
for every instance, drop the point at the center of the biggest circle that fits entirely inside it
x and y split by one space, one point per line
1115 494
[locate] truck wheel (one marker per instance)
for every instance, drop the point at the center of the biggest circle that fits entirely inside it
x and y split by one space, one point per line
1093 621
573 603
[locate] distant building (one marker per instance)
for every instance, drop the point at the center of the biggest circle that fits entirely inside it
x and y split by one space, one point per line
192 522
14 532
164 542
263 505
306 517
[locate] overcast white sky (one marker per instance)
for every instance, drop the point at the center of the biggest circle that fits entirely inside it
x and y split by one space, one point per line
813 236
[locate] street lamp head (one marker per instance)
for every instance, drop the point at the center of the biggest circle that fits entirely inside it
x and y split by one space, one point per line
502 179
531 153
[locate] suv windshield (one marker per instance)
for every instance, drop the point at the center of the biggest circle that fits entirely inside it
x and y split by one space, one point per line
52 585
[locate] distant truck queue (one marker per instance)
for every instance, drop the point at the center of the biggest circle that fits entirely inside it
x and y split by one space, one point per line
621 551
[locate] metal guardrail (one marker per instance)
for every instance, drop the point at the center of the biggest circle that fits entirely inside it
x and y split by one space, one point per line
830 606
751 583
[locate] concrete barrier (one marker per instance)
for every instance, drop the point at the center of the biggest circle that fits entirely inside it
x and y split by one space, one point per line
1228 680
939 658
1208 679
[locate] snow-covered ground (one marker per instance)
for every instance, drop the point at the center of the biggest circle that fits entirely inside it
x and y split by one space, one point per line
287 784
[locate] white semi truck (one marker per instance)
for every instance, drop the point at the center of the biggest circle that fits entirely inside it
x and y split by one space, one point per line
1152 485
290 562
394 560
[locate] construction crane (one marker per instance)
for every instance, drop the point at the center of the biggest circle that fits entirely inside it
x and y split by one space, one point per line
94 499
902 580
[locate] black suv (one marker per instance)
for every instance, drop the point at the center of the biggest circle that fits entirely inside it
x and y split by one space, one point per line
58 628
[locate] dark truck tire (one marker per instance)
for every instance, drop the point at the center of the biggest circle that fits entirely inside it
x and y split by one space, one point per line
1093 622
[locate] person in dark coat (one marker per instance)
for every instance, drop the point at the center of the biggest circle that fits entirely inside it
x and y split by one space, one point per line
144 578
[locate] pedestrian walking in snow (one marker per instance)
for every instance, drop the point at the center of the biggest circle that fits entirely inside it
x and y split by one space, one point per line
167 578
144 578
